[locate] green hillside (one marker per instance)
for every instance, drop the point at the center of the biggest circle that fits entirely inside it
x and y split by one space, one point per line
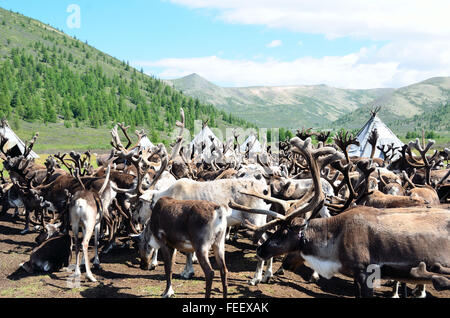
284 106
406 110
424 105
49 77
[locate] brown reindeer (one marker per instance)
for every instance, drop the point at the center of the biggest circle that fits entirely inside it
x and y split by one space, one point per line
188 226
360 240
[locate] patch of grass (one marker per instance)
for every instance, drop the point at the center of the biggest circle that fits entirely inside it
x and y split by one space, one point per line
152 290
55 138
28 290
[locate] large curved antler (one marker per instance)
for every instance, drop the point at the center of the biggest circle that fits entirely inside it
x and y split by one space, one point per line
310 203
343 141
428 163
372 140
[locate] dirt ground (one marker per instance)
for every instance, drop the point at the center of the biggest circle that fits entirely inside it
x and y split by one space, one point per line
121 277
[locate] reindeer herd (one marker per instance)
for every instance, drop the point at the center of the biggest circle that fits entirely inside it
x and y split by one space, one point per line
314 205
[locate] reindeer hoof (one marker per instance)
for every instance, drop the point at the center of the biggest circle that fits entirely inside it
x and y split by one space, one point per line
267 277
97 267
314 278
419 293
26 231
266 280
92 278
168 294
152 267
254 281
279 272
187 275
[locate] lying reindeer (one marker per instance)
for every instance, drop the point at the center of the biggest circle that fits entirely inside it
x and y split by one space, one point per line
51 255
188 226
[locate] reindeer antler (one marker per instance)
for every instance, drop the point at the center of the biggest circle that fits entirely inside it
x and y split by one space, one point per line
29 145
372 140
323 136
304 134
427 163
317 159
125 132
345 170
343 141
63 161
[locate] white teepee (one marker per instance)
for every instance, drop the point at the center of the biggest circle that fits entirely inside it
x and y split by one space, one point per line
386 137
14 141
146 143
205 136
256 147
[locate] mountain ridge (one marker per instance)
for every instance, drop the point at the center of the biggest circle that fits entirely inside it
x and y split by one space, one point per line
294 106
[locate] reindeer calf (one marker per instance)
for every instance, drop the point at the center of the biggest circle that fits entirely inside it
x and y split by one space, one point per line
86 208
50 256
188 226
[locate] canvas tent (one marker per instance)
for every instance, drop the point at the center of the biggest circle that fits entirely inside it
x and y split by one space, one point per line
146 143
205 136
15 145
256 147
386 137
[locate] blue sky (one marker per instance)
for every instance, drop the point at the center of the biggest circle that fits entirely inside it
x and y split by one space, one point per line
246 43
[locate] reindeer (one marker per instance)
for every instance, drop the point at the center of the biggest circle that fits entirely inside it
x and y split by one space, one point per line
392 240
50 256
86 208
187 226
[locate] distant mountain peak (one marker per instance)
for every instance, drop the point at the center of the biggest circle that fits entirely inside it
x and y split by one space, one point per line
318 105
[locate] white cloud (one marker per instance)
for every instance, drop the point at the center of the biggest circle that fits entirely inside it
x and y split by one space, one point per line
388 66
345 71
275 43
380 20
417 34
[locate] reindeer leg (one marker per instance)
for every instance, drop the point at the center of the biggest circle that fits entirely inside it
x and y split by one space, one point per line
279 271
26 230
419 291
75 229
16 212
219 254
168 255
395 290
154 261
203 259
96 262
5 208
194 258
405 290
85 245
362 288
258 273
268 273
228 234
188 271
